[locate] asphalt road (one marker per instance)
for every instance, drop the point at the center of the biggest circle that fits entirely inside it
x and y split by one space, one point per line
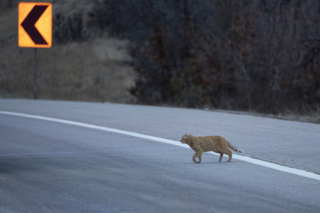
293 144
52 167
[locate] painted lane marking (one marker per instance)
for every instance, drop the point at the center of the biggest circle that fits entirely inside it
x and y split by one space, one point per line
286 169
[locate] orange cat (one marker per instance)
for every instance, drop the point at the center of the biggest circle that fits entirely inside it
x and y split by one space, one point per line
216 144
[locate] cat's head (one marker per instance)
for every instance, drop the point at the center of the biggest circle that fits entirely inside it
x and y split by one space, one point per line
185 138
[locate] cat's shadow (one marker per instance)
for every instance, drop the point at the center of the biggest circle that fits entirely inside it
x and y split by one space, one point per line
208 162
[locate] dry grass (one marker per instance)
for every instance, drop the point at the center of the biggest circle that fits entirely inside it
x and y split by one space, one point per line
96 70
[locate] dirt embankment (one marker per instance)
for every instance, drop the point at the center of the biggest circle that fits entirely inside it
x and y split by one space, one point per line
96 68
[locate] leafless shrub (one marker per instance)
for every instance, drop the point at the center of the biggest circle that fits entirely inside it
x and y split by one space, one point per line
249 55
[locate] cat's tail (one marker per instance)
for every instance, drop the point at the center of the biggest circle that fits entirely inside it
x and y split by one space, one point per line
234 148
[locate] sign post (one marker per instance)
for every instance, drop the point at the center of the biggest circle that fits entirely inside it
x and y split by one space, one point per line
35 30
35 75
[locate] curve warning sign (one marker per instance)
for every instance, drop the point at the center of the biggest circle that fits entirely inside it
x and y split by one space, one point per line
35 25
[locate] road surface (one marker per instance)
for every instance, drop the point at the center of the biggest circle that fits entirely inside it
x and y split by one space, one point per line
49 166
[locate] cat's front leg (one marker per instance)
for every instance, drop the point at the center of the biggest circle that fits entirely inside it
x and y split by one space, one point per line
221 154
194 157
197 154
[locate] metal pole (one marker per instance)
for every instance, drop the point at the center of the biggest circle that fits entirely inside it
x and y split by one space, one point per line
35 77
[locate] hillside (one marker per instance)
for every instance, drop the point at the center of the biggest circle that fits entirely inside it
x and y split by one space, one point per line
253 56
97 69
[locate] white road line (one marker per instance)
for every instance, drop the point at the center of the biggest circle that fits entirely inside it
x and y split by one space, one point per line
294 171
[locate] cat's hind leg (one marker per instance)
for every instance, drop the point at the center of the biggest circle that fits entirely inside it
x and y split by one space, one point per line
229 153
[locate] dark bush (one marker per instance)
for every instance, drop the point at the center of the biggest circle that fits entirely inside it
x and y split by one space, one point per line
241 55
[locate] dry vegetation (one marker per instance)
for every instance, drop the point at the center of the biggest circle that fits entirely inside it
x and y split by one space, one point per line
97 69
250 55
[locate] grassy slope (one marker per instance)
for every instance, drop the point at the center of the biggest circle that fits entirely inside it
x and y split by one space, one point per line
87 71
95 70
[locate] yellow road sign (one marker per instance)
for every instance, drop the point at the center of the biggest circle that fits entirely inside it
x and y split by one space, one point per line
35 25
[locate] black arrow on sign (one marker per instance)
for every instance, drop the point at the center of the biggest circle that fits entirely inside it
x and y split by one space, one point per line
30 21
